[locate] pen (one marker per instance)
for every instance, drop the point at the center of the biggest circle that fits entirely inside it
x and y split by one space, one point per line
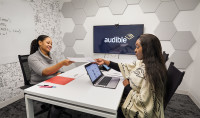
43 85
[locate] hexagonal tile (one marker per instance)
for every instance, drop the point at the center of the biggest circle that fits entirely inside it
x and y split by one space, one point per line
118 6
79 47
67 10
91 7
149 5
79 32
69 39
165 31
79 16
69 52
167 47
78 3
181 59
132 1
167 0
103 3
183 40
167 11
67 25
187 4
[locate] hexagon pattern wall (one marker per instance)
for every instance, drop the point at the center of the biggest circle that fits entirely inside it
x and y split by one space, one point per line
79 32
186 4
118 6
103 3
78 4
165 10
149 5
91 7
79 16
165 31
183 40
132 1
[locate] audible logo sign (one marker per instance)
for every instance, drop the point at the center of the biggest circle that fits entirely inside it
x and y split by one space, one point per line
115 40
118 39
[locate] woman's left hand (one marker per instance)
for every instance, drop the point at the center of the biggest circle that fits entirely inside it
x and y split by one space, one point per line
126 82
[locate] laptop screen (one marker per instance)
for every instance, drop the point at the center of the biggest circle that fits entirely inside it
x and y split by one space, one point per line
93 71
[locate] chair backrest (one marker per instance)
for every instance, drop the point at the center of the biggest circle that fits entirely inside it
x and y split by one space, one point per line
23 60
165 55
175 78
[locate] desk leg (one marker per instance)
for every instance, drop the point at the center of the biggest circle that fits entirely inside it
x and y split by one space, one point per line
29 108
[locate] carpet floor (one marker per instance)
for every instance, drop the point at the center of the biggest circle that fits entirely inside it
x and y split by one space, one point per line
180 106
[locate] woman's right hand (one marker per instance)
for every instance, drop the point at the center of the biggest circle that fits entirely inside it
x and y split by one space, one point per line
67 62
100 61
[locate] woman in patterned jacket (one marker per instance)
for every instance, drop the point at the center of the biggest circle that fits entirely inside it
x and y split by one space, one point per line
144 80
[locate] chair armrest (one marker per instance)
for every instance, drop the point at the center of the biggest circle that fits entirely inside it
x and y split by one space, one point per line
25 87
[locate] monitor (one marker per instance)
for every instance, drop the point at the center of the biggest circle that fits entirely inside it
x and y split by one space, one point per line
116 39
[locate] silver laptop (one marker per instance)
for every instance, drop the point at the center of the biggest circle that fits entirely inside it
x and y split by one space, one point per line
98 79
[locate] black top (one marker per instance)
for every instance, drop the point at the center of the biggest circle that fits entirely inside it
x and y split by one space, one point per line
114 66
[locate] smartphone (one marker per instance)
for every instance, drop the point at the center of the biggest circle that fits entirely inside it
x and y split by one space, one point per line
105 67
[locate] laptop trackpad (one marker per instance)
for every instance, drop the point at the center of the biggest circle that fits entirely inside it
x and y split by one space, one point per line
113 82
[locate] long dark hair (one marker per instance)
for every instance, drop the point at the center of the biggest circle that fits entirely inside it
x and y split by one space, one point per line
154 63
35 45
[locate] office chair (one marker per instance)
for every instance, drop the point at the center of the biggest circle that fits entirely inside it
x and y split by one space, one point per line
23 60
165 55
175 78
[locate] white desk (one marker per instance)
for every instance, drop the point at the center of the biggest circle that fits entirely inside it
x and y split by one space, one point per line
78 95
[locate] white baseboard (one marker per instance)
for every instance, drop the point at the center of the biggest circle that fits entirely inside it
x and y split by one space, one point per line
182 92
5 103
194 100
190 95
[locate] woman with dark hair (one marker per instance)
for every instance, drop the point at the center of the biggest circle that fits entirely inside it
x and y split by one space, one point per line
144 80
43 65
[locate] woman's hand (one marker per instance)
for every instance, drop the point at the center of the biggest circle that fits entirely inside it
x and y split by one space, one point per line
126 82
58 73
67 62
99 61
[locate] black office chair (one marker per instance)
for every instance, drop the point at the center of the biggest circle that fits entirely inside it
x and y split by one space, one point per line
23 60
175 78
165 55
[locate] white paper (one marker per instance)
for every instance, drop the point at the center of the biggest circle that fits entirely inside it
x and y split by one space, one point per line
83 59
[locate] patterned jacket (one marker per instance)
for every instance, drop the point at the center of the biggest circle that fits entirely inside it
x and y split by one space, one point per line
141 100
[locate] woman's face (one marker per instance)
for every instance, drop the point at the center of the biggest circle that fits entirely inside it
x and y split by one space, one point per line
45 45
138 50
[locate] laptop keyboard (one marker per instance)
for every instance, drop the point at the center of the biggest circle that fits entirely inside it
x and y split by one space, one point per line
105 81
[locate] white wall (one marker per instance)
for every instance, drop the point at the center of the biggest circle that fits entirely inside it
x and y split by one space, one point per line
194 86
189 20
33 18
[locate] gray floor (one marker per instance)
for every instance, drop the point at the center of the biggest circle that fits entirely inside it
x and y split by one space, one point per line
180 106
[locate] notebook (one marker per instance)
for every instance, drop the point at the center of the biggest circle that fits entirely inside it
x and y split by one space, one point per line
98 79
